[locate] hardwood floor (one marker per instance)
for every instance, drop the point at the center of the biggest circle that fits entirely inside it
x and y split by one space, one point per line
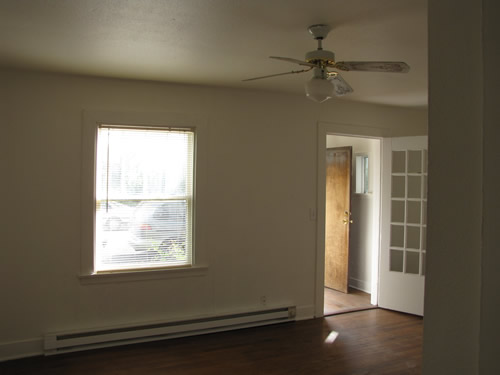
371 342
339 303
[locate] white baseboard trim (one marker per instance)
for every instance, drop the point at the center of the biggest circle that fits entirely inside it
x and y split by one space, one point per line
21 349
360 285
305 312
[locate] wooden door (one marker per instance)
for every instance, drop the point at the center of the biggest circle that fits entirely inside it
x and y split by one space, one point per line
404 225
337 217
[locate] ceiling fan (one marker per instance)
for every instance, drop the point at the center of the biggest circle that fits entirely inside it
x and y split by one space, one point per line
326 83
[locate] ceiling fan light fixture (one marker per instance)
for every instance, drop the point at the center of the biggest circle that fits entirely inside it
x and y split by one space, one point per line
327 81
319 89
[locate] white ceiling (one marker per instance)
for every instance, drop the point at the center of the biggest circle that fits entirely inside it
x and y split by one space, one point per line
220 42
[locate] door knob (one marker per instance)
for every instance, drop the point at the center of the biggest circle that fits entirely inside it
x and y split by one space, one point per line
346 220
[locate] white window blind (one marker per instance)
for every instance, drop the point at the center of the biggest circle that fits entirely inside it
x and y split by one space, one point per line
144 198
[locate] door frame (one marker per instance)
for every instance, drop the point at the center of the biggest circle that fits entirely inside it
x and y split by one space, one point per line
324 129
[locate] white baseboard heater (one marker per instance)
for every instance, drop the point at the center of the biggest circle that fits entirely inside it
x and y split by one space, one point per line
64 342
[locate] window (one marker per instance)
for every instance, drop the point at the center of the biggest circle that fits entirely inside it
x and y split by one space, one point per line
362 174
143 180
144 197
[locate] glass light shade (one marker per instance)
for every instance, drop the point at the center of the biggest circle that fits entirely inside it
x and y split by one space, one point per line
319 89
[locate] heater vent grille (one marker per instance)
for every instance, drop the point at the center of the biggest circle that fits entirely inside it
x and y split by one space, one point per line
74 341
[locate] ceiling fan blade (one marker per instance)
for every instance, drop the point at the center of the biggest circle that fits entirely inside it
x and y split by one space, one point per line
276 75
373 66
341 87
295 61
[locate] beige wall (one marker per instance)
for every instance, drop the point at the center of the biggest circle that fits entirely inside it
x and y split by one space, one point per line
490 301
255 228
462 306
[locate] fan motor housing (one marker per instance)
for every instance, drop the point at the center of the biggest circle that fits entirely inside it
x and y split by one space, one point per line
320 55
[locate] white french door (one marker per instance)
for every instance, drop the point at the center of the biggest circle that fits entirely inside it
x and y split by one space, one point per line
404 225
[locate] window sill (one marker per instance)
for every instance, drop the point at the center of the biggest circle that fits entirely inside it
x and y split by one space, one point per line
140 275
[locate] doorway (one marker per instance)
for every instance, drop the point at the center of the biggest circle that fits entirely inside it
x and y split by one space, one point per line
359 217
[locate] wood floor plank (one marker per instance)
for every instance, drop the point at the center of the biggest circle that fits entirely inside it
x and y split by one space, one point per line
367 342
337 302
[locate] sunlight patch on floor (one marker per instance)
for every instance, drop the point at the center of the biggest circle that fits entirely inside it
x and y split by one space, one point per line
331 337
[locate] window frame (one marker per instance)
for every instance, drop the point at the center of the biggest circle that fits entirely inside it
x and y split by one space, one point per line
92 120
